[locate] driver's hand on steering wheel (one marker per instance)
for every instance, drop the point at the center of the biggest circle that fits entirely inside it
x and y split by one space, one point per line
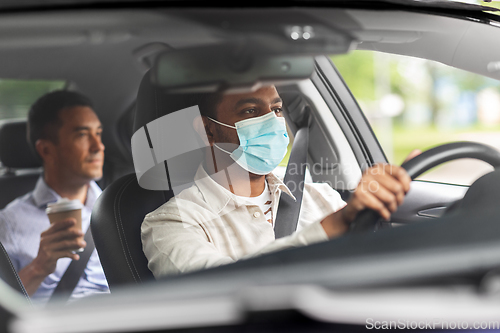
382 188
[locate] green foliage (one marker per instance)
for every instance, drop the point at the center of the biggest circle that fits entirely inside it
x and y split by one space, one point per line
358 72
432 89
16 96
493 4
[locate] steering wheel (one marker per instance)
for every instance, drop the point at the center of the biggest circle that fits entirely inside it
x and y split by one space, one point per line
367 219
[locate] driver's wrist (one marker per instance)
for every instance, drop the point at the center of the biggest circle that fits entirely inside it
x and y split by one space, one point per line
349 212
335 225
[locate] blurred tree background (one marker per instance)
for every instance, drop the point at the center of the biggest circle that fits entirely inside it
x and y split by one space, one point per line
16 96
415 103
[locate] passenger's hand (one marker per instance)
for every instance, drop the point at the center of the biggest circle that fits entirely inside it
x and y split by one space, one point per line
382 188
58 241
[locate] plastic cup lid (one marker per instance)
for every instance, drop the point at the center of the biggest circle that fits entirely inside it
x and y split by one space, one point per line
63 205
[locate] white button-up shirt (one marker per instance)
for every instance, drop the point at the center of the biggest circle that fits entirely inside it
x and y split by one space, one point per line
206 225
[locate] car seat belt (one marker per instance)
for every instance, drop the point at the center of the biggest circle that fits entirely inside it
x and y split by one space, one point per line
287 216
70 278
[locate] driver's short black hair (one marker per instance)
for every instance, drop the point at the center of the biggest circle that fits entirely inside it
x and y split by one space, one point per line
208 104
43 117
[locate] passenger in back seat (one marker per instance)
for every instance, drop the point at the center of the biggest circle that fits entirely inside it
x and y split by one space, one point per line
229 212
65 132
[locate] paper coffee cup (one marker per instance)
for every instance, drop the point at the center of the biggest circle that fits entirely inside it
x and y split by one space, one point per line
64 209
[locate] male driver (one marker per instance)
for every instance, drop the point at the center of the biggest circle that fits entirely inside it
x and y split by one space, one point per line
229 212
66 134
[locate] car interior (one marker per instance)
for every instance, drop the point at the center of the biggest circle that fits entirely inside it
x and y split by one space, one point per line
130 62
21 168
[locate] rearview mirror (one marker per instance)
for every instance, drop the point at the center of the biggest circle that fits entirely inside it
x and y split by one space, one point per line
216 67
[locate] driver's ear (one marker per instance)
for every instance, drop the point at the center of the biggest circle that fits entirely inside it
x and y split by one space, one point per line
200 125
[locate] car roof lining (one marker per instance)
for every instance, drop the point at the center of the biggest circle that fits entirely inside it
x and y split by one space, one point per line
52 44
75 34
425 36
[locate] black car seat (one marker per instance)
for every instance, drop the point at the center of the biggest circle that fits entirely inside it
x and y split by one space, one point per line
116 228
119 211
9 275
20 167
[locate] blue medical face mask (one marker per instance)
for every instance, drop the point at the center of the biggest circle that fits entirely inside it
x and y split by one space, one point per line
263 143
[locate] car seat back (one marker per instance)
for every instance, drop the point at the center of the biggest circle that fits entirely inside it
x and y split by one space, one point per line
116 228
9 275
119 211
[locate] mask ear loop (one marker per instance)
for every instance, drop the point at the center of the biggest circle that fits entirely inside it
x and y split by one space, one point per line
215 145
223 150
218 122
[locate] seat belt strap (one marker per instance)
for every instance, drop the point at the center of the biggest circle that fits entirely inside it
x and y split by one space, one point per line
73 273
287 216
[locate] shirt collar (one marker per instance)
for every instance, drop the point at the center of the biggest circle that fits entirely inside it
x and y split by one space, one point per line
276 184
43 194
218 198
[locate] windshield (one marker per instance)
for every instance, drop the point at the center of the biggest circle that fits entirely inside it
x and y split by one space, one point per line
170 155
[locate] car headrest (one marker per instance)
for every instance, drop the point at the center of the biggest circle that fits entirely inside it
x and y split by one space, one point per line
15 151
154 102
164 135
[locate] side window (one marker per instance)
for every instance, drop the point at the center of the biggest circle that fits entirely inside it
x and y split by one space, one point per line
414 103
16 96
